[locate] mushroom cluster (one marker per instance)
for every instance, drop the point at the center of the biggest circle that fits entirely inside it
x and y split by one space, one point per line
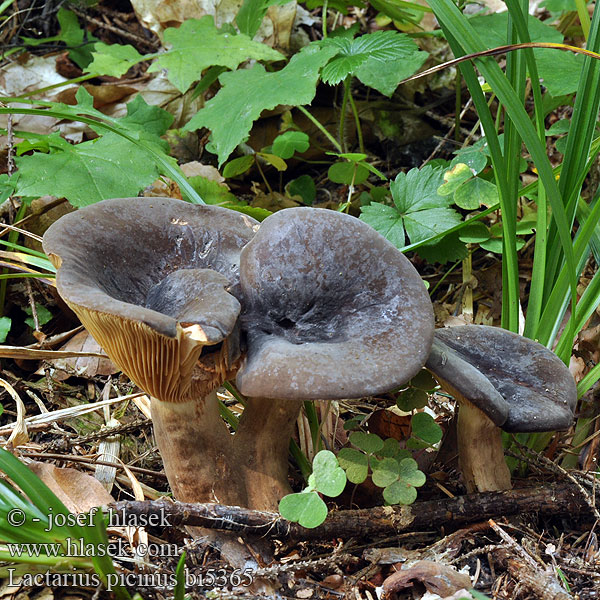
310 304
313 304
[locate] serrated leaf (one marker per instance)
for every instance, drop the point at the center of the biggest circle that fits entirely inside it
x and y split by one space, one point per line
113 60
385 47
197 44
399 493
367 442
108 167
385 471
286 144
386 220
425 427
237 166
355 463
327 476
411 399
305 508
475 192
424 224
246 93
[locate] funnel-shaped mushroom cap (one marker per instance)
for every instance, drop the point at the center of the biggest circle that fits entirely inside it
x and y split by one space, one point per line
520 384
331 309
148 277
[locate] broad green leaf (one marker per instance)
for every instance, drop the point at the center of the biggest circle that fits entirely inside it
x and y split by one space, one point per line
210 191
424 380
399 492
448 249
7 187
197 44
286 144
391 448
411 399
386 220
349 173
560 127
305 508
5 323
424 224
146 118
113 60
475 192
251 14
410 474
274 160
474 233
108 167
473 156
351 156
453 178
303 186
385 471
247 92
237 166
417 190
355 463
327 476
367 442
385 47
425 427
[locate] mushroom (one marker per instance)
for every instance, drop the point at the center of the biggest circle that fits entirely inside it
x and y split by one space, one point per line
501 381
330 310
150 279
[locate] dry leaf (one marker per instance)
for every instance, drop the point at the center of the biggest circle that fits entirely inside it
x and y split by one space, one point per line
78 491
437 578
90 366
19 428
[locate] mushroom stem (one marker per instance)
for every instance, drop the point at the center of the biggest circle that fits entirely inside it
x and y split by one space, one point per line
196 446
481 454
261 449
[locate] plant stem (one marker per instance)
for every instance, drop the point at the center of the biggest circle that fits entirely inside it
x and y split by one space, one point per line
343 113
359 132
320 127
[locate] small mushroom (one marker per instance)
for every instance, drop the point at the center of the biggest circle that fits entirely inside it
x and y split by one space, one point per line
331 310
501 381
150 279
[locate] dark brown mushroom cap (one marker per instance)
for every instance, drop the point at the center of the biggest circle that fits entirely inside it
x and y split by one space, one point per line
528 388
149 278
331 309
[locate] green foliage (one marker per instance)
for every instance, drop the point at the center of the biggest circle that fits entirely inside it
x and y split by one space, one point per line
113 60
187 58
43 315
307 508
303 186
5 324
286 144
419 211
246 93
32 506
380 59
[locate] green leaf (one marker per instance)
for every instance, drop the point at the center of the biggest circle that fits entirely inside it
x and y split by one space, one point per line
348 173
410 474
386 220
425 427
289 142
424 380
411 399
108 167
474 233
252 13
367 442
43 315
399 492
475 156
455 177
475 192
247 92
339 5
5 323
113 60
447 249
385 471
7 187
327 476
377 52
237 166
212 192
274 160
197 44
355 463
146 118
391 448
305 508
303 186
